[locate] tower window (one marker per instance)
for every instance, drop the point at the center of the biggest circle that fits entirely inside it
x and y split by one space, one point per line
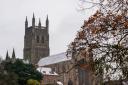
37 39
42 39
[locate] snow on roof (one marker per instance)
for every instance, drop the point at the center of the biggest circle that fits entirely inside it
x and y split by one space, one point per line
53 59
46 71
59 83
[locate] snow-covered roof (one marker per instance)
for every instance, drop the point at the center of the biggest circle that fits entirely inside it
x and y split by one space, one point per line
53 59
59 83
46 71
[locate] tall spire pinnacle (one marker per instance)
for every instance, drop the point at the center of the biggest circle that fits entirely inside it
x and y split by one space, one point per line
33 20
47 23
39 23
7 56
47 18
33 15
26 23
13 54
26 19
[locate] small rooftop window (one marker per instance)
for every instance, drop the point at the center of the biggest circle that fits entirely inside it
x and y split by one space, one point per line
51 72
44 71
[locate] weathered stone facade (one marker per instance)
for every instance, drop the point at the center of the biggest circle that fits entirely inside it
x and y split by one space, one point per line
36 41
75 73
60 68
70 73
49 76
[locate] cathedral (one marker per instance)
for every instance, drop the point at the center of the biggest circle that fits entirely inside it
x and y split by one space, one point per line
55 68
36 41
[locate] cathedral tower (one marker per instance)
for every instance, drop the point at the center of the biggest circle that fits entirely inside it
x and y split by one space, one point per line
36 41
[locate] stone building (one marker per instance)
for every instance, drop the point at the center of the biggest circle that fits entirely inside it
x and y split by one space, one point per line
57 64
68 72
36 48
36 41
49 76
81 70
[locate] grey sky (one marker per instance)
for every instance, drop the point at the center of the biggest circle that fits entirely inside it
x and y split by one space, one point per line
64 19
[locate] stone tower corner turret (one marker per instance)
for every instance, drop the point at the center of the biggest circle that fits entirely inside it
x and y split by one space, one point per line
33 20
47 24
26 23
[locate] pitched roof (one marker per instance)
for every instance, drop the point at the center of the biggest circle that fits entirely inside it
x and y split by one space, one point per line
53 59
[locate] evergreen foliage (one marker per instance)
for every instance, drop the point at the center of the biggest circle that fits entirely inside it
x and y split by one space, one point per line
21 72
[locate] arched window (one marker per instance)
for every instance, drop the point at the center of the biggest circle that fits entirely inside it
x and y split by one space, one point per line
42 39
37 39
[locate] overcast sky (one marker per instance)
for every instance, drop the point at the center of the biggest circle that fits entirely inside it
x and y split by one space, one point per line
64 17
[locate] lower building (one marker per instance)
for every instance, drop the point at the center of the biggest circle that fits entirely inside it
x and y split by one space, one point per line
49 76
68 72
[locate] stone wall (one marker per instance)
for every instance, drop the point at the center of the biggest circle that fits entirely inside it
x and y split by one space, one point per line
71 71
49 79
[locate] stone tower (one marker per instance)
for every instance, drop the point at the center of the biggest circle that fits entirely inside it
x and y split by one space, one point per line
36 41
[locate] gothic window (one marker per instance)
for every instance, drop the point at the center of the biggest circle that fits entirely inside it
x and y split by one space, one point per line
37 39
42 39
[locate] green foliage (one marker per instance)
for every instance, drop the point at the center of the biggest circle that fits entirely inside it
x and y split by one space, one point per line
8 78
24 71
